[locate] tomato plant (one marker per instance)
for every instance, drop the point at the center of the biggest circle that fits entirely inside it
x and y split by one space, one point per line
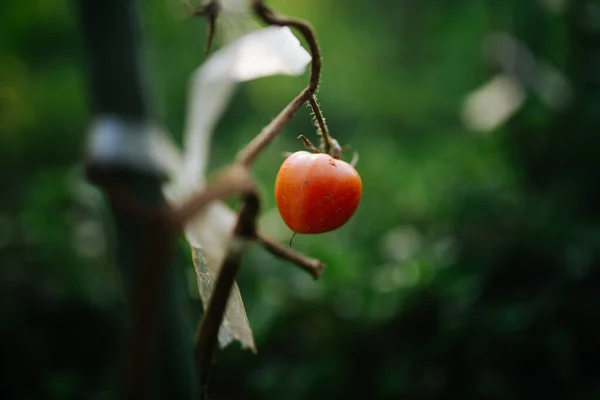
316 193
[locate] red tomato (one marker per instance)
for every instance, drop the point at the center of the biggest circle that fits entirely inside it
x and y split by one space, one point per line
316 193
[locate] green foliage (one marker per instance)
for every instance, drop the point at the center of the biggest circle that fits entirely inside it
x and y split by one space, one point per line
469 270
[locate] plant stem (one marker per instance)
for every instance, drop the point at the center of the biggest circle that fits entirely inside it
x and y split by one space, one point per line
326 145
260 142
311 265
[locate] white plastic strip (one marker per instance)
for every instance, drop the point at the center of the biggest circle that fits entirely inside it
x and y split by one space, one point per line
115 142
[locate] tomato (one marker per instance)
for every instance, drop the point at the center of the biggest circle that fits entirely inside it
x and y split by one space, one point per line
316 193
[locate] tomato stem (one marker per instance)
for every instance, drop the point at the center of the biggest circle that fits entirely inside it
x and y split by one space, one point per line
292 238
328 144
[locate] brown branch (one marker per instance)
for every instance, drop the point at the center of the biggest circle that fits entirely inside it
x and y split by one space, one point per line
251 151
244 232
233 181
262 140
311 265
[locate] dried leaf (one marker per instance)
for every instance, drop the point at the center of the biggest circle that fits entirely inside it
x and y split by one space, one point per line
235 324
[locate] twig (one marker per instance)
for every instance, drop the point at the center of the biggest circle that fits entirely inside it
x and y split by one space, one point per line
244 232
311 265
251 151
258 144
234 181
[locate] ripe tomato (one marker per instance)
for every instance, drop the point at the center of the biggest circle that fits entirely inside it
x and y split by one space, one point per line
316 193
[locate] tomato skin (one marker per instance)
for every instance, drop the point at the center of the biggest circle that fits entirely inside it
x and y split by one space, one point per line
316 193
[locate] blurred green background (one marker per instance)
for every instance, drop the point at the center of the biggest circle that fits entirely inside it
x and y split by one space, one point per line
470 269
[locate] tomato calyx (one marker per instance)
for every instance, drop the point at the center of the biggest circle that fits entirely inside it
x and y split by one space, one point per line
308 144
335 150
